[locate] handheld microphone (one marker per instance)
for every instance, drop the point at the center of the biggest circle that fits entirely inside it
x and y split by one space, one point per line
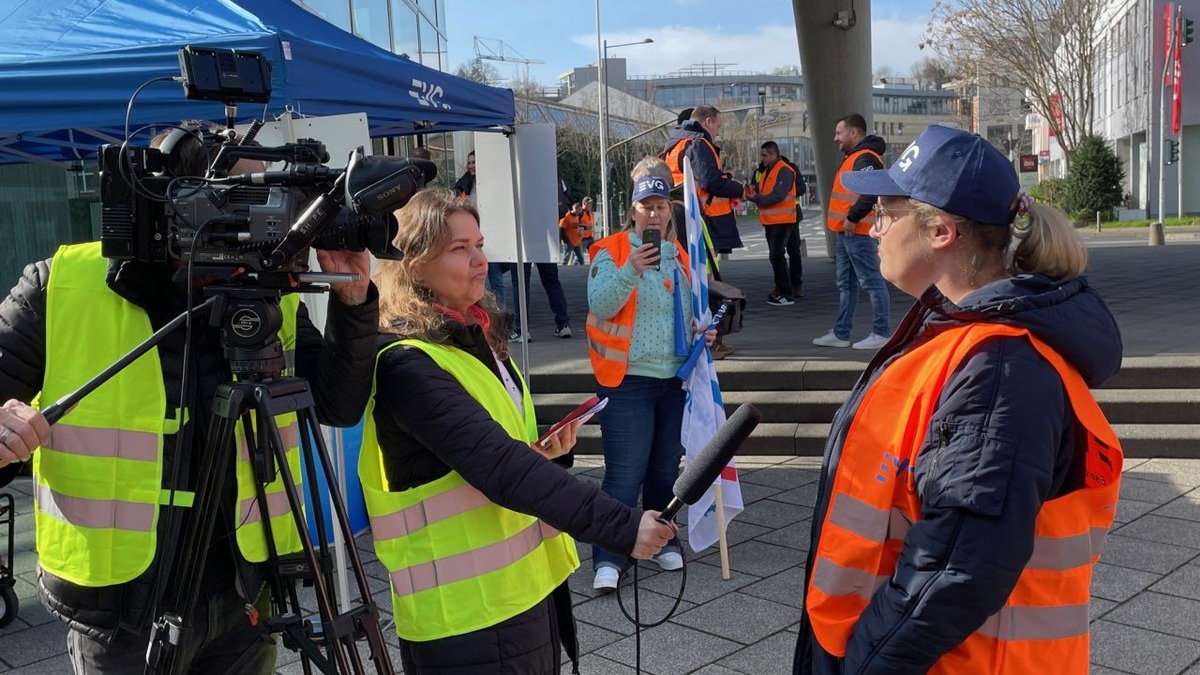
703 472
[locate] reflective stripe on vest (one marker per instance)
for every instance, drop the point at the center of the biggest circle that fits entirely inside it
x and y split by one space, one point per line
100 478
782 212
874 503
711 204
842 200
458 562
609 339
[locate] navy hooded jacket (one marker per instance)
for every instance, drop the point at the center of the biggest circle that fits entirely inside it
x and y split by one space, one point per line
1005 433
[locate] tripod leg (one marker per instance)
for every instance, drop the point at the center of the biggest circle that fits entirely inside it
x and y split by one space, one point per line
369 621
171 628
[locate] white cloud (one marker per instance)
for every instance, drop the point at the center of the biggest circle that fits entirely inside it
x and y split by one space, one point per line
758 48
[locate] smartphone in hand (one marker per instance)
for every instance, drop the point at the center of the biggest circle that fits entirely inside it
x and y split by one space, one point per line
653 235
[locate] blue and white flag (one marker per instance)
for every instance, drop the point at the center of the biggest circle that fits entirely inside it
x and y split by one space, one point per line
704 412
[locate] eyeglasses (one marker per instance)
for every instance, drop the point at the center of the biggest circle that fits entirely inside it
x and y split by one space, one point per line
890 215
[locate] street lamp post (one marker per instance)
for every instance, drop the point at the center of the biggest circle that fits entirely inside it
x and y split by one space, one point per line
602 112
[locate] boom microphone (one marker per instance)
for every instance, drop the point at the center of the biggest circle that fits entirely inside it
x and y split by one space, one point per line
702 473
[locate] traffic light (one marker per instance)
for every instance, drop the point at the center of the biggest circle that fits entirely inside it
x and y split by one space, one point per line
1171 152
1187 31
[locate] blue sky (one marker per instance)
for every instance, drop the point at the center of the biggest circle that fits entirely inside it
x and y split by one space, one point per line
755 35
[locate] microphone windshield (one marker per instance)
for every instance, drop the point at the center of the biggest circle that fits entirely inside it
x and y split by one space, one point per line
701 473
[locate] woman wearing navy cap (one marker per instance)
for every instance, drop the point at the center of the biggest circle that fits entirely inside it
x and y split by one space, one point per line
638 314
970 477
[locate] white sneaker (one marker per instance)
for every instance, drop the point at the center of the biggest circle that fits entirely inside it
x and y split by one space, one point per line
872 341
606 579
830 340
669 560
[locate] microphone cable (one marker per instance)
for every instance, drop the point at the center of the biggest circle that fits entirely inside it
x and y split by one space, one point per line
635 618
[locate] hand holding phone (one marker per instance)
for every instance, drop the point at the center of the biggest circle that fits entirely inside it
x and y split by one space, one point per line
653 236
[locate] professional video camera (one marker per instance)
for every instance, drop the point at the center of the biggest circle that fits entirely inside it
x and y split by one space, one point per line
156 208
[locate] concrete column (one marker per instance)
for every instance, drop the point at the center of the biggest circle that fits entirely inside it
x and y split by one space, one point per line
835 59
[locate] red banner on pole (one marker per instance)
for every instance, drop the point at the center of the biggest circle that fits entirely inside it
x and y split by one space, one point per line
1167 24
1177 69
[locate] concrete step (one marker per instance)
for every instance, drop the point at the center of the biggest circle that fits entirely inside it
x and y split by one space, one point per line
1121 406
1141 372
1174 441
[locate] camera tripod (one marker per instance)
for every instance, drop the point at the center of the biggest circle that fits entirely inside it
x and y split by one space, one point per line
250 319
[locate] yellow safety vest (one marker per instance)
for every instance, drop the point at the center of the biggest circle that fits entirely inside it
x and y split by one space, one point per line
459 563
100 479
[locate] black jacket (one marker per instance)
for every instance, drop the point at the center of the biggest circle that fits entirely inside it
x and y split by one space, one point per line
337 365
428 425
705 164
866 162
1004 432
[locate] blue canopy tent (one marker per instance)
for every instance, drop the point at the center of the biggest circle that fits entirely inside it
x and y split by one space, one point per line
68 68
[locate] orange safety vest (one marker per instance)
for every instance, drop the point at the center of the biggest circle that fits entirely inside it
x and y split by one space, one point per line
874 502
711 204
783 212
587 224
841 200
608 339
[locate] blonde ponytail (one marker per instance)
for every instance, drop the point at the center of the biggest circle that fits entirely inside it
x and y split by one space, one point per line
1046 243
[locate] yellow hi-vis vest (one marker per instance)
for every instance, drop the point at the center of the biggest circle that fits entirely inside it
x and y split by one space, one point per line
99 482
459 563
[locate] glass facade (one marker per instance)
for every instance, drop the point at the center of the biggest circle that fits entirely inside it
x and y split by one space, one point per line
893 104
412 27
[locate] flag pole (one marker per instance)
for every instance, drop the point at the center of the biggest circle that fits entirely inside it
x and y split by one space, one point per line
1178 105
722 540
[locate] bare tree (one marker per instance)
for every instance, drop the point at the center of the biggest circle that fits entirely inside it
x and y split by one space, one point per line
932 70
1047 47
476 70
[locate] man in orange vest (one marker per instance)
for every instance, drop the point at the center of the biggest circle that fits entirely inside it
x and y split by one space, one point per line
695 139
850 216
776 200
587 227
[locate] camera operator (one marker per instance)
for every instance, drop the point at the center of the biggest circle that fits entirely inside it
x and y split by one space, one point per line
473 524
104 546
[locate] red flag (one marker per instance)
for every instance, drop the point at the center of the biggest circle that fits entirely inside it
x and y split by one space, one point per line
1167 23
1177 94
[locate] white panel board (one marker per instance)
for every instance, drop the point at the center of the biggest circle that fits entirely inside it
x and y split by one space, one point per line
535 183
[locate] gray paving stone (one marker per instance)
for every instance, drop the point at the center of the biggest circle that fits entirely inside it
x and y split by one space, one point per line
737 616
1159 612
1129 509
704 583
772 656
52 666
671 649
1144 555
1183 582
740 530
783 478
786 588
1186 507
35 644
794 536
715 670
605 613
1152 491
1120 583
1098 607
1139 651
753 493
773 514
592 637
1169 470
1164 530
591 664
1101 670
801 496
757 558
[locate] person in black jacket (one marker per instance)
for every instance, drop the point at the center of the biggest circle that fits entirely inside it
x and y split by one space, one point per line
429 428
1001 443
110 625
700 133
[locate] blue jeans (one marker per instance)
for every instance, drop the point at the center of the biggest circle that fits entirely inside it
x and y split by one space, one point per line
548 273
495 281
640 427
858 265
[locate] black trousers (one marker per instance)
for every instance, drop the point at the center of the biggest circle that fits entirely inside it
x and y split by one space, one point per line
788 273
